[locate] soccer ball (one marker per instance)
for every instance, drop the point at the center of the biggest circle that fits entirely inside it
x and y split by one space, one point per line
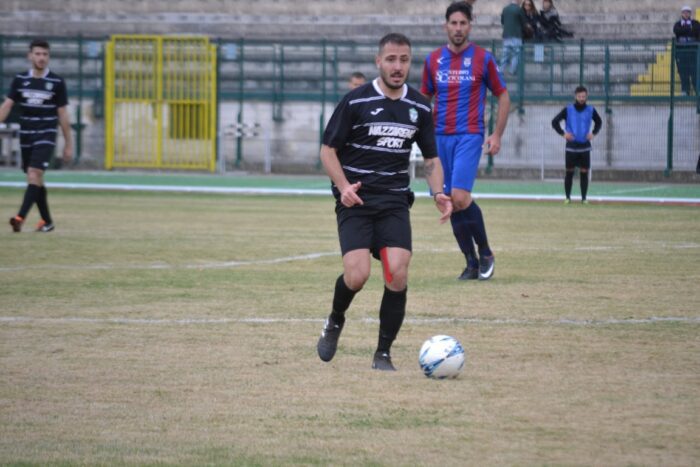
441 357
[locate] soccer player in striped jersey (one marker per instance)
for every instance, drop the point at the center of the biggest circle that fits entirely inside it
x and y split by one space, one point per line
43 99
458 76
366 149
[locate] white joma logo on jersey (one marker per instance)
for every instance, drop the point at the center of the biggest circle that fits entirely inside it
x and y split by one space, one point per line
376 111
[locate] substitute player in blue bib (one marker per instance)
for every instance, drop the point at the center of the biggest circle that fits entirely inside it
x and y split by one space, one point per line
458 76
366 149
579 117
42 97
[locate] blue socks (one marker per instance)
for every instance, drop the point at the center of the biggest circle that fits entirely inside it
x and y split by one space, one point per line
474 220
464 238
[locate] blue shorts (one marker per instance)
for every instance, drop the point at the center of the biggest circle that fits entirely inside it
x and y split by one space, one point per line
459 155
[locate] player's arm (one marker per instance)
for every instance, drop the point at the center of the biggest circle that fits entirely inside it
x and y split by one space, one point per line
597 124
493 142
556 122
64 123
435 177
6 108
331 164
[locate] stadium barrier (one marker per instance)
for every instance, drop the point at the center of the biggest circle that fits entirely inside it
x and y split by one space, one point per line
626 80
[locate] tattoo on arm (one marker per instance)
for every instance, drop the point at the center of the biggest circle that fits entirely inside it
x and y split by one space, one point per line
428 167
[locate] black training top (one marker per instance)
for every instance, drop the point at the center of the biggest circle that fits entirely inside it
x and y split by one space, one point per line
39 100
373 134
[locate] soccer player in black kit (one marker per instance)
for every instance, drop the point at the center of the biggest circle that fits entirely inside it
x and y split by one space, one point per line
365 151
43 99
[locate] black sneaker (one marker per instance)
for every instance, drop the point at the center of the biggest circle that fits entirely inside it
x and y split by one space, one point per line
382 361
43 226
486 266
469 273
328 342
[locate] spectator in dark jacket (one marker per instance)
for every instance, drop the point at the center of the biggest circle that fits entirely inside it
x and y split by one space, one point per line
687 32
531 30
550 24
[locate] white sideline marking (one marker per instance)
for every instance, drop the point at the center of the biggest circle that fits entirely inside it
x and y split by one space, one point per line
158 266
311 256
415 321
327 192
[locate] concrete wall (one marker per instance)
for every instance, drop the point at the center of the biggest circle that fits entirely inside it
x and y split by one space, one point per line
633 138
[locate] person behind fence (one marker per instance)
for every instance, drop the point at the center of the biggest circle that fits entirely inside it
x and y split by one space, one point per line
550 24
43 102
687 32
513 21
356 80
458 76
365 152
531 29
578 135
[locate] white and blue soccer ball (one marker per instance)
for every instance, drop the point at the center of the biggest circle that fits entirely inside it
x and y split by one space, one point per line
441 357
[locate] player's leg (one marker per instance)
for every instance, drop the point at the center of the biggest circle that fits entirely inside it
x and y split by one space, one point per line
569 175
356 268
393 238
35 179
355 234
461 230
584 166
41 157
466 166
393 307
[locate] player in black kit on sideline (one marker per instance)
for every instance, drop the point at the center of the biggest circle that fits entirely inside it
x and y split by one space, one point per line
43 99
366 150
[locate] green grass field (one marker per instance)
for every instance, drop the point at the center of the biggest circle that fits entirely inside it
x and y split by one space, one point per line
181 329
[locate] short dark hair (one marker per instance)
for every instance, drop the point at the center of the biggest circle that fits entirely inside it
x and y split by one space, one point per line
358 75
43 43
461 7
394 38
581 89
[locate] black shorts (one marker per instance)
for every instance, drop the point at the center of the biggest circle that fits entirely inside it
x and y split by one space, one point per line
582 160
37 156
382 221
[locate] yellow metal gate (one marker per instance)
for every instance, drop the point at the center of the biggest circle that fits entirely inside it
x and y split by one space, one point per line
160 102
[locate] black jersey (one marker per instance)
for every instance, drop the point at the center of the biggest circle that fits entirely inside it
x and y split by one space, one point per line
39 100
373 135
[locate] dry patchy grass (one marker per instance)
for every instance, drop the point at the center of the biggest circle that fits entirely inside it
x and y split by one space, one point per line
78 388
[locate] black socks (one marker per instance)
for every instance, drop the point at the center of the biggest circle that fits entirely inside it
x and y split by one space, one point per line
31 194
568 182
391 314
342 297
43 205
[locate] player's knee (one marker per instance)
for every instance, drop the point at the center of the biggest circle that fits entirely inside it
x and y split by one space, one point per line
461 200
584 171
356 278
35 176
399 280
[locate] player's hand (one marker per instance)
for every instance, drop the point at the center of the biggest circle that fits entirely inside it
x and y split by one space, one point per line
349 197
568 136
444 205
589 136
493 143
67 154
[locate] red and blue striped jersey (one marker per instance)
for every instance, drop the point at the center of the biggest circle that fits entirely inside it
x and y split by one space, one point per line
459 82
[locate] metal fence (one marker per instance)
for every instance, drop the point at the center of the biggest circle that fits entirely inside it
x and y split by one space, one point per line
634 85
